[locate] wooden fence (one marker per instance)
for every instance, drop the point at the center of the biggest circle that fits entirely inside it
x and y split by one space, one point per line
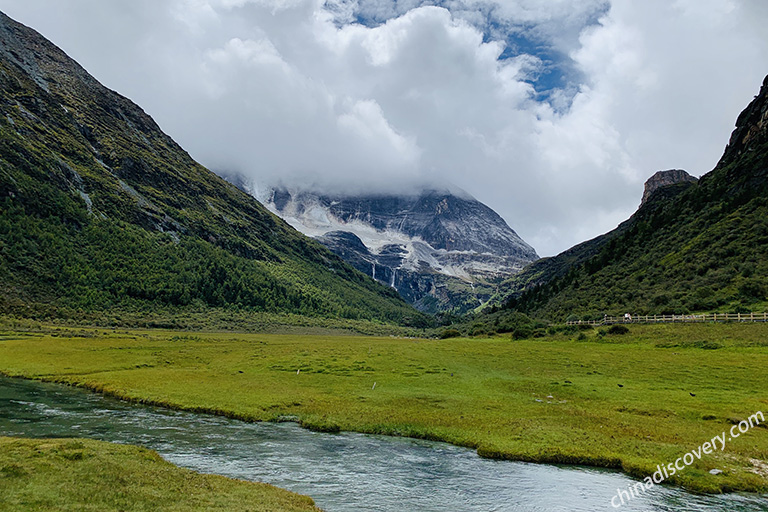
653 319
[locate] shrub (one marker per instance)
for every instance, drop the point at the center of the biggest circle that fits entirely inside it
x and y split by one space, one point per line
618 329
479 329
449 333
511 323
522 333
752 289
565 329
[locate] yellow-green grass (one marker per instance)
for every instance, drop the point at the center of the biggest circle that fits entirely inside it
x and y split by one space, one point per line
617 401
85 475
210 319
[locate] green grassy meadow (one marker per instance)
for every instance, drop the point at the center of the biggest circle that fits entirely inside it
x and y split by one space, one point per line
620 401
81 474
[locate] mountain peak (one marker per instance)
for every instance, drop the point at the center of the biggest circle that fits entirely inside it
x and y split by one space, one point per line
448 219
441 248
665 179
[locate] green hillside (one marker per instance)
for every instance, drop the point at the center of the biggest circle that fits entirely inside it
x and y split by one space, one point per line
102 211
691 247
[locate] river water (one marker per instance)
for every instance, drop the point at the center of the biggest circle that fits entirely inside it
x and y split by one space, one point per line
342 472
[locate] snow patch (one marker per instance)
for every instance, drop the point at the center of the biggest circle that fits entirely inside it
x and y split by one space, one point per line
312 218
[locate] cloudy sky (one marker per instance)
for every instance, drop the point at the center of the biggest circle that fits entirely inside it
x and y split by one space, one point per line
552 112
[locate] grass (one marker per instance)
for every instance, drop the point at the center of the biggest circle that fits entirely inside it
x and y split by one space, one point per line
621 401
82 475
210 319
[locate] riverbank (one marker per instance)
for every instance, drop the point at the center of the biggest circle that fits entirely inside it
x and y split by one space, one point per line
631 402
81 474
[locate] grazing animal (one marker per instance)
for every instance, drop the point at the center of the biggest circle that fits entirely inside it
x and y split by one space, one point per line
691 394
621 385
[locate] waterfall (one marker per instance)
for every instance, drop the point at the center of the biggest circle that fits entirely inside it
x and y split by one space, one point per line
373 271
392 284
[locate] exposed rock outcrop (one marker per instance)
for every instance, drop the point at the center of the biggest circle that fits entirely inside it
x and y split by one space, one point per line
440 249
664 179
751 127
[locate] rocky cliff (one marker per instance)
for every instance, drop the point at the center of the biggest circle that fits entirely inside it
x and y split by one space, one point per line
751 128
665 179
441 249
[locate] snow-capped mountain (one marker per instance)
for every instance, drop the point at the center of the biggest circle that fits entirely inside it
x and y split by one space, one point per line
441 249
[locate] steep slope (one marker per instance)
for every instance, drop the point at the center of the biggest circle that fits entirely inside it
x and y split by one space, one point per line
441 249
99 209
691 246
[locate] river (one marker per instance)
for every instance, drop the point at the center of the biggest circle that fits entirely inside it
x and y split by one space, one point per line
342 472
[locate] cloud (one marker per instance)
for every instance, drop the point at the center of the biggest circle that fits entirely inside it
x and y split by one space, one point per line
553 113
366 127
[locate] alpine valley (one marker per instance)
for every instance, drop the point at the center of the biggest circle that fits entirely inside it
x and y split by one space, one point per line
129 269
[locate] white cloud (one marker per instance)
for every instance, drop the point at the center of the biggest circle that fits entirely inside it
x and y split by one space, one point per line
280 89
365 122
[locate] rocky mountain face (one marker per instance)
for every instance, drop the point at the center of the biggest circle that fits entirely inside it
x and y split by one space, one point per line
751 128
102 211
442 250
665 179
692 245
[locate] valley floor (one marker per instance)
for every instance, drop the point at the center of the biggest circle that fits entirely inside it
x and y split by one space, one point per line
631 401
